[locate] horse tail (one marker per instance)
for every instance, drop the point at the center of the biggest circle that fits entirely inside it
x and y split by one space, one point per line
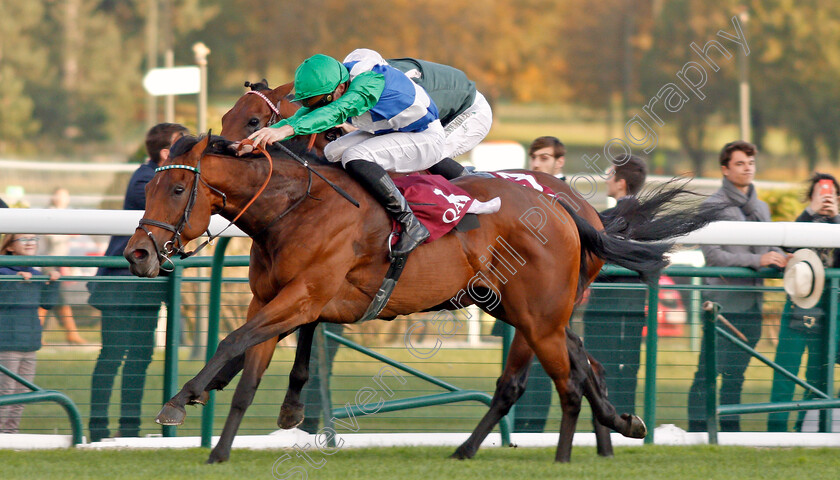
644 258
664 212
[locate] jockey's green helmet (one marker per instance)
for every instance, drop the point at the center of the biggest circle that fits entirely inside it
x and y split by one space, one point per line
317 75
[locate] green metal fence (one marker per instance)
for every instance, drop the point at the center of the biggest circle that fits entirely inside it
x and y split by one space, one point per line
462 371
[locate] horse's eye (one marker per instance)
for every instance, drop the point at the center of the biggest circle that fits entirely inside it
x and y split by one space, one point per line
254 122
179 190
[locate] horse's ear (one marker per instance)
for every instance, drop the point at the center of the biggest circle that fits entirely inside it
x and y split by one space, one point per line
283 90
265 82
202 144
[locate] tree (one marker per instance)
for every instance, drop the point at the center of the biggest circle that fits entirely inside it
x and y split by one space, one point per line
798 65
21 62
677 26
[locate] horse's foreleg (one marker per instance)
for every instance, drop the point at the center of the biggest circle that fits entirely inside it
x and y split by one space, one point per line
509 387
291 413
221 380
280 316
256 360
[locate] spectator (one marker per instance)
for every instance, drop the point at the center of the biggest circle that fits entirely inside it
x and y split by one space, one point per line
742 308
803 323
547 155
614 318
58 245
20 327
129 310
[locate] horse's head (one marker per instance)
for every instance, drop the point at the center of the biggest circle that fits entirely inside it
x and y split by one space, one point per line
258 108
261 107
179 204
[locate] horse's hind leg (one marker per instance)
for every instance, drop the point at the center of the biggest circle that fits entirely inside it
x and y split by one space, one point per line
603 441
291 413
256 361
569 387
604 416
509 387
584 365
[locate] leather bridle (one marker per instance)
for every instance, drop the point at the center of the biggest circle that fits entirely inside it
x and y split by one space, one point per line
175 245
275 109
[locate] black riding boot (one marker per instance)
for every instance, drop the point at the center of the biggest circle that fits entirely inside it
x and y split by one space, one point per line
448 169
377 182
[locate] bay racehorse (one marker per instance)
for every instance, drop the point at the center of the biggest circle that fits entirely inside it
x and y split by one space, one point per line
315 258
263 106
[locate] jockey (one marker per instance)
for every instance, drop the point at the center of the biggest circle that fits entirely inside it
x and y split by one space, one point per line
464 112
397 122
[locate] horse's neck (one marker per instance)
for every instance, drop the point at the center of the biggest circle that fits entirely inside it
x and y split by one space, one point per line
287 184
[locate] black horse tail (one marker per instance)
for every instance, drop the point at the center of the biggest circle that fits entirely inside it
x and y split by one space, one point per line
645 258
663 212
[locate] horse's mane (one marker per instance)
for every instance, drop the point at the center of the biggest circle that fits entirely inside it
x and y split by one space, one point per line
221 146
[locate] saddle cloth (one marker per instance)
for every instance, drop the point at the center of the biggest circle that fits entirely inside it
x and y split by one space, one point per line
439 204
524 179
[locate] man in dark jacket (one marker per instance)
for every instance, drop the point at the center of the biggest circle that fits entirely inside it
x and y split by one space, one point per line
742 308
129 310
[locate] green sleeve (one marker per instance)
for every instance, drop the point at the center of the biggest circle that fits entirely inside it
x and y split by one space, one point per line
362 94
287 121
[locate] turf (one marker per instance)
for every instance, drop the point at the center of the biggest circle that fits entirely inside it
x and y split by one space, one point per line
649 462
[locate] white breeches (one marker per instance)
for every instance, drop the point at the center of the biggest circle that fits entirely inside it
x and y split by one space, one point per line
469 128
402 152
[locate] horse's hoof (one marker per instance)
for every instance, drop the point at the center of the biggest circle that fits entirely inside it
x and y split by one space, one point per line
216 458
201 400
171 414
291 415
637 426
461 454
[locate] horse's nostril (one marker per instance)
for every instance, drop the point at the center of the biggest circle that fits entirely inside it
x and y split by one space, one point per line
139 254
